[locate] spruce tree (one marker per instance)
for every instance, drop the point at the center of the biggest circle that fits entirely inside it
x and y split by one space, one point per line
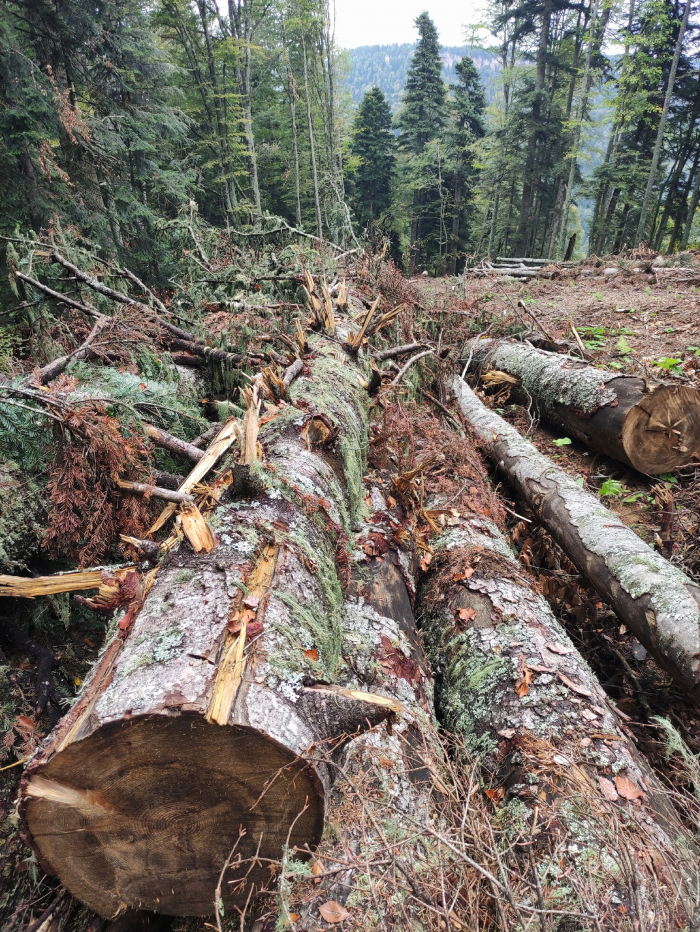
372 147
421 121
468 106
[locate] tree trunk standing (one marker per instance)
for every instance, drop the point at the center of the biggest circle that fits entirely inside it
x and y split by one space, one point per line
655 599
682 208
656 157
560 226
243 28
312 147
199 721
653 428
292 93
564 775
456 218
538 99
691 209
221 130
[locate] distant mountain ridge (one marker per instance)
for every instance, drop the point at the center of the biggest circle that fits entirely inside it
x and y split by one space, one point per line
387 67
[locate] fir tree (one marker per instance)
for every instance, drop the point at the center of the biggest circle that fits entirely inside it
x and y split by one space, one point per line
468 106
422 115
421 121
373 148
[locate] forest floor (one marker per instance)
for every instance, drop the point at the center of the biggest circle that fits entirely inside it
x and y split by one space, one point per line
627 322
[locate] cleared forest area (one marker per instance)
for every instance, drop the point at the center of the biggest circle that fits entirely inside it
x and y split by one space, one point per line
296 632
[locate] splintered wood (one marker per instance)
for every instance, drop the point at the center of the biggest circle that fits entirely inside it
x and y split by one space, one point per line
223 440
20 587
230 670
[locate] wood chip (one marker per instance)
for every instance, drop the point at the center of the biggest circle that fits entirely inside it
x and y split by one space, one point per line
581 690
557 648
607 788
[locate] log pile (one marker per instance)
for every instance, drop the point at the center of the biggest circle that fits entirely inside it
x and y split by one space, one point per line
517 268
653 427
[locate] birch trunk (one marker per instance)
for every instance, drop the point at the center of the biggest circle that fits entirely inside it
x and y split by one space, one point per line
207 716
655 599
653 428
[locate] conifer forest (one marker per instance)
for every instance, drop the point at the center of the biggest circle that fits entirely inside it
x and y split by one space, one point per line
349 469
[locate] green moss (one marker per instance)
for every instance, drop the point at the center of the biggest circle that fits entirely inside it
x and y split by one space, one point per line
182 577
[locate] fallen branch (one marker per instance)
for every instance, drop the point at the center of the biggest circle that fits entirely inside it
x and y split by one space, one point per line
407 366
142 488
53 369
658 602
292 372
167 441
395 351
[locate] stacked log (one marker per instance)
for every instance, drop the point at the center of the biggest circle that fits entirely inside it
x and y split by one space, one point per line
653 427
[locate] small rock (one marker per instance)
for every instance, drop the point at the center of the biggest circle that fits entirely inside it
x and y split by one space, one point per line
610 271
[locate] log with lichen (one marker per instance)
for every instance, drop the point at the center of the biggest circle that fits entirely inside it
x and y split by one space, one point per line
205 715
592 832
657 601
653 427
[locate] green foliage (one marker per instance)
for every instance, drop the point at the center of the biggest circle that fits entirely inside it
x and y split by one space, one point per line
612 488
372 147
561 442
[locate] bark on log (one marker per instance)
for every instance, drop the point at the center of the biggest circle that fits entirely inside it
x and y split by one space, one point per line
564 774
202 719
651 596
653 428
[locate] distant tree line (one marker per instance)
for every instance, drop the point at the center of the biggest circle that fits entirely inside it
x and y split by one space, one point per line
121 117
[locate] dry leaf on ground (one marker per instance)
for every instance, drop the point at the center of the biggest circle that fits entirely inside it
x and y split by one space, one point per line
333 912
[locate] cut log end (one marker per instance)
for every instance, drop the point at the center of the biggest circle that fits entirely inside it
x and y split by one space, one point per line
662 431
145 813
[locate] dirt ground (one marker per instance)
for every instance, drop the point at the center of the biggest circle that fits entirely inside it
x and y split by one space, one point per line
628 322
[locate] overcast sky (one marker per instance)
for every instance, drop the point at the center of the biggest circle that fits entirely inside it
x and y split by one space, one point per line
383 22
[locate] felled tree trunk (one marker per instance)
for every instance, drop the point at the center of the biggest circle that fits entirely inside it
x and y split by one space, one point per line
650 595
591 830
653 428
206 719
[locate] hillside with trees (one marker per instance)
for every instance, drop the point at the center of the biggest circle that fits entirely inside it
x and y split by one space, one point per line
349 471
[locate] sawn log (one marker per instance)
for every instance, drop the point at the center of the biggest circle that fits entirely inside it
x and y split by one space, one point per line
653 427
206 719
658 602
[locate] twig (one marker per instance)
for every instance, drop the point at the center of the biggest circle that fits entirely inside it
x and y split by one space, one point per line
578 339
408 365
446 411
395 351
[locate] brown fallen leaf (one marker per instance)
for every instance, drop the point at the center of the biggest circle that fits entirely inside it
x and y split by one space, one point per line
465 615
627 789
581 690
607 788
333 912
295 917
507 732
557 648
426 560
312 654
467 574
496 795
391 501
522 687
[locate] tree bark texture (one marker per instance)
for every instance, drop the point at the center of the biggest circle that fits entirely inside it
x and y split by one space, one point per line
654 598
205 718
653 428
565 778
